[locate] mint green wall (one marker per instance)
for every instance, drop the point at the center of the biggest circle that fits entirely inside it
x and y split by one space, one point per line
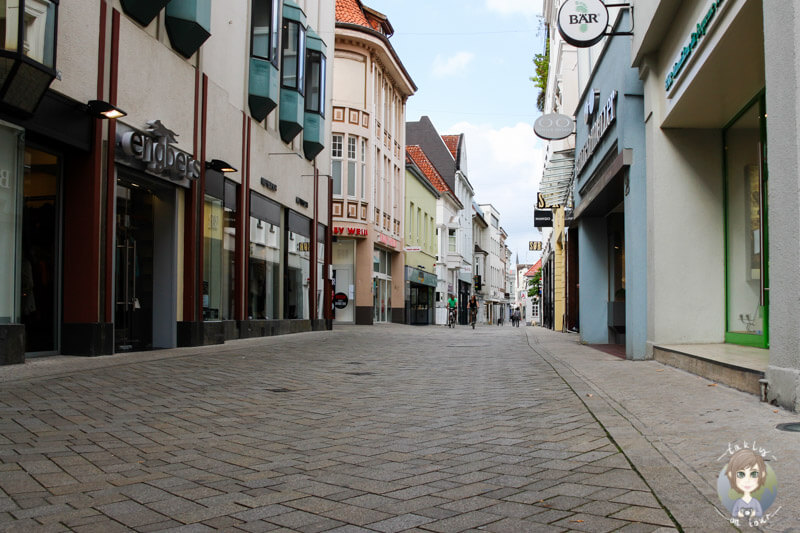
423 198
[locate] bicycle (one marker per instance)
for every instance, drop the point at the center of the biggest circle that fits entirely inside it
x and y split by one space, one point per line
473 317
451 318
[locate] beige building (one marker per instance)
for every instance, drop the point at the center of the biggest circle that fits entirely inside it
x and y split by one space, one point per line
370 90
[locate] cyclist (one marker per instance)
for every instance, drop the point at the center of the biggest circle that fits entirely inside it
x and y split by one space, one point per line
451 313
473 310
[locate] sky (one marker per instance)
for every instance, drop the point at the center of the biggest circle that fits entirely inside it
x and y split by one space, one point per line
471 61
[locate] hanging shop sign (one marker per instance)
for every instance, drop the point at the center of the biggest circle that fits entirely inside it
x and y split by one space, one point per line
350 231
582 23
553 126
541 202
604 120
542 218
694 39
155 149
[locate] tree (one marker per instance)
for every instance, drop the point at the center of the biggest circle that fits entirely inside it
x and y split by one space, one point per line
533 284
542 64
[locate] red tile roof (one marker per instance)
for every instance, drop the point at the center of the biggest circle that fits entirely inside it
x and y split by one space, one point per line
534 269
355 12
350 11
452 144
424 164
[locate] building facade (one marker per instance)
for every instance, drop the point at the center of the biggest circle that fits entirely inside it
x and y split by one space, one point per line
480 261
420 246
370 90
454 216
199 216
725 174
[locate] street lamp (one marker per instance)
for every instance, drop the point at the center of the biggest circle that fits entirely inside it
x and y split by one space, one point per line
27 52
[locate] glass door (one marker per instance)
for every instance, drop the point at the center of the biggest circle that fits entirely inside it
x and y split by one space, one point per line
40 252
133 320
746 273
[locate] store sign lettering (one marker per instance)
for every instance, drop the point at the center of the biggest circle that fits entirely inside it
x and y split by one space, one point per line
694 39
601 124
582 23
355 232
157 152
388 241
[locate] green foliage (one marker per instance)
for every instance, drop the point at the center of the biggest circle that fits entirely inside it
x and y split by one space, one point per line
533 284
542 64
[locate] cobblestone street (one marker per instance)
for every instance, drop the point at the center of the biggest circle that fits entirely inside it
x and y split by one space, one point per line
383 428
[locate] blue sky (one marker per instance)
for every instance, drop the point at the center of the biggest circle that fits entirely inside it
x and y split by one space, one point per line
471 61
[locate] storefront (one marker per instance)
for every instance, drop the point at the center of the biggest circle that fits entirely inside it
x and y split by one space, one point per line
706 158
45 182
611 204
420 289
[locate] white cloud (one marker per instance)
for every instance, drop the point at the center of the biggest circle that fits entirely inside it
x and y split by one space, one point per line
504 168
515 7
453 65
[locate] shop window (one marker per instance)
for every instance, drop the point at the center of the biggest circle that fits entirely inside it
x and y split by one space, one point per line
219 250
747 278
298 266
10 228
336 162
264 264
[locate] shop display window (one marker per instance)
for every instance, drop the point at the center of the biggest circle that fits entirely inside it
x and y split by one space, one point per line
10 222
746 228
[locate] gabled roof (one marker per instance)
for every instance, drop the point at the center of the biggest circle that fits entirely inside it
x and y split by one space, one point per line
451 141
537 266
419 158
423 134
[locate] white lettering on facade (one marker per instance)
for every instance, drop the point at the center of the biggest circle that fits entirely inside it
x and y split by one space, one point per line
604 120
159 154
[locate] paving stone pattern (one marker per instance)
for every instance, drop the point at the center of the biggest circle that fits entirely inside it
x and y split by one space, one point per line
362 429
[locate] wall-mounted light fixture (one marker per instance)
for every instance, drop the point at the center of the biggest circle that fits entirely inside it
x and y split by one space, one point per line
300 201
102 109
220 166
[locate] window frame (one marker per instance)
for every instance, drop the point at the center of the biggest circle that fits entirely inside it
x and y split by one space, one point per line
274 35
300 46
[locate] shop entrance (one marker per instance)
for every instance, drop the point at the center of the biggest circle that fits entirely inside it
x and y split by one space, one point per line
144 311
133 321
40 252
343 283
